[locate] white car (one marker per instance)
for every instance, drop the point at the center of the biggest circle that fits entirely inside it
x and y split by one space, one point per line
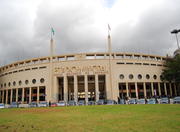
2 106
42 104
61 103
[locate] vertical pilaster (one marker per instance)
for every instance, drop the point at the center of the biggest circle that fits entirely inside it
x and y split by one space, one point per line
30 92
16 94
38 94
127 90
0 96
97 87
6 96
152 88
3 97
165 89
86 88
22 95
144 87
65 89
11 96
159 88
75 88
136 89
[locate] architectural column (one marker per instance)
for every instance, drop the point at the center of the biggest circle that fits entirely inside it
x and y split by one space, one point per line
16 94
152 88
127 90
75 89
144 87
6 96
0 96
175 91
22 95
136 89
97 87
11 96
38 94
165 89
3 97
86 88
159 88
170 87
30 95
65 88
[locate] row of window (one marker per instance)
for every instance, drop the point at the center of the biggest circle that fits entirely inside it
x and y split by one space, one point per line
131 63
42 80
27 69
87 56
139 76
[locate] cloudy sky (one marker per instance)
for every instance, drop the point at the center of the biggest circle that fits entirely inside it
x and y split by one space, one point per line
81 26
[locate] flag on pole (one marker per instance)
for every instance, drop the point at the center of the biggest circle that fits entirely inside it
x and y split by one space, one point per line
52 30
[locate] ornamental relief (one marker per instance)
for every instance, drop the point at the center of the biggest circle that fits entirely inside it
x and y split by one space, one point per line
77 70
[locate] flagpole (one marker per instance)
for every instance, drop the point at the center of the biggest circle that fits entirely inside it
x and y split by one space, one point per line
51 65
110 54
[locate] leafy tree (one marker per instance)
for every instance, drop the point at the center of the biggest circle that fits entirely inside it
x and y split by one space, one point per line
171 72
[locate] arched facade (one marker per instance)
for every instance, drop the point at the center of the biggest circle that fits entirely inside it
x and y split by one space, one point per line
86 76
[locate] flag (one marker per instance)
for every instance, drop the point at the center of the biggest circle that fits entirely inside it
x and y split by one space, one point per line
52 30
109 28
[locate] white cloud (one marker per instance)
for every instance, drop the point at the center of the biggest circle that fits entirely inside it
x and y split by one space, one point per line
81 26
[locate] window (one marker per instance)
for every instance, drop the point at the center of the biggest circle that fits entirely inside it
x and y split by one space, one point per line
155 76
26 82
139 76
121 76
42 80
131 76
147 76
34 81
20 82
14 83
9 84
4 84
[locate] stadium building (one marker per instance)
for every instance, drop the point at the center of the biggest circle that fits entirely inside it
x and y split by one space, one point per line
84 76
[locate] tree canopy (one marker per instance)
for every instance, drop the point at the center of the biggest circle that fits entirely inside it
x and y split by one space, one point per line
171 72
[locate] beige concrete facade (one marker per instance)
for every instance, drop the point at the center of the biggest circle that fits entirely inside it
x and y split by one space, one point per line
88 76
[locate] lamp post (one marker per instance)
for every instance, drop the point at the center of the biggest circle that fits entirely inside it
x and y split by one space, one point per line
176 31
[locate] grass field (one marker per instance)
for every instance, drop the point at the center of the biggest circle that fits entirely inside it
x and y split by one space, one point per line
123 118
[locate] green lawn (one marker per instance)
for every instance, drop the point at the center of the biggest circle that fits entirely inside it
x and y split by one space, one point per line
123 118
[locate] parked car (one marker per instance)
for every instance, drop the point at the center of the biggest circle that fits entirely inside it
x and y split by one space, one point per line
122 101
110 102
33 104
7 105
100 102
61 103
132 101
2 106
176 100
152 101
42 104
53 104
23 105
81 102
14 105
141 101
71 103
91 103
164 100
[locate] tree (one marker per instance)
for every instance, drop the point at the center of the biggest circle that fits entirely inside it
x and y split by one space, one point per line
171 72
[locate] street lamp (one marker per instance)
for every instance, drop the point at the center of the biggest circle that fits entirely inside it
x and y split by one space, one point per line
176 31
